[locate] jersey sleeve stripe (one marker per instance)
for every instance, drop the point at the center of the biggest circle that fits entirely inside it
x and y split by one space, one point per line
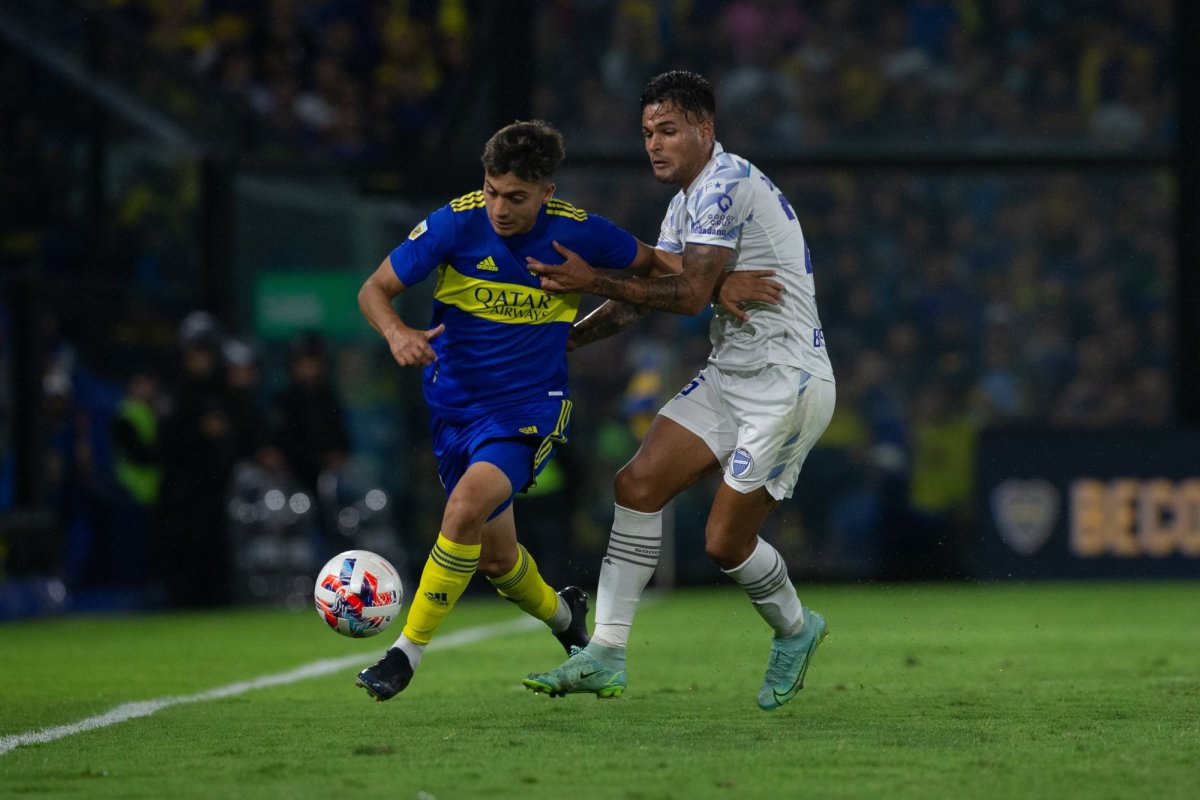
467 201
562 208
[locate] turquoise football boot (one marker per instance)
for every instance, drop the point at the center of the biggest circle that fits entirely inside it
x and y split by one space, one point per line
594 669
789 661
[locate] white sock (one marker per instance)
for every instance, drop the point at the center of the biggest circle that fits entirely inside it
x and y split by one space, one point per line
413 650
764 576
562 617
633 548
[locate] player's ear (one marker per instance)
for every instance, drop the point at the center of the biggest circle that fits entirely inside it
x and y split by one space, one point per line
548 192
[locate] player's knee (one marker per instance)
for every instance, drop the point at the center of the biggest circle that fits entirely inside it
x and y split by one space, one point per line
725 551
717 552
462 514
634 488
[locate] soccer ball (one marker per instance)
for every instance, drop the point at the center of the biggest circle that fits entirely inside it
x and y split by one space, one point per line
358 593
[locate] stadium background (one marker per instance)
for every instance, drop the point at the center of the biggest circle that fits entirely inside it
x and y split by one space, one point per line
1002 199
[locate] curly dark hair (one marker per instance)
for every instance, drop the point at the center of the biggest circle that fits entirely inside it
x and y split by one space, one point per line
530 150
690 92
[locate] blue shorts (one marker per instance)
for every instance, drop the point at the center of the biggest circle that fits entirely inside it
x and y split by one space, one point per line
520 441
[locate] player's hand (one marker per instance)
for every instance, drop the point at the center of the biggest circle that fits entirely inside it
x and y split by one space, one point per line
751 286
411 347
572 276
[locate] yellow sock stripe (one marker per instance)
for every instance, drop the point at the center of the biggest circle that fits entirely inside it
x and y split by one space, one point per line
514 576
456 549
461 565
556 435
460 555
461 558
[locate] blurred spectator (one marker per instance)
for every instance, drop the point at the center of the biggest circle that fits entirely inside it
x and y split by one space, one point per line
248 411
68 469
78 474
1150 398
1095 397
138 469
840 487
930 545
199 448
1000 387
308 426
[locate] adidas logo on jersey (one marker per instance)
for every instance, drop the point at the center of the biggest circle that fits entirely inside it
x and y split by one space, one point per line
488 265
528 430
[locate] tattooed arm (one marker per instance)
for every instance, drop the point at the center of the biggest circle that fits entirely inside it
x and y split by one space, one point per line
611 317
687 292
614 316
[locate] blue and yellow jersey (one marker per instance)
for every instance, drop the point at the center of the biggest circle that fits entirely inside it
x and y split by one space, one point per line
505 339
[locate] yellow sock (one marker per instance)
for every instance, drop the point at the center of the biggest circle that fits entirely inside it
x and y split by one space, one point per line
524 585
445 577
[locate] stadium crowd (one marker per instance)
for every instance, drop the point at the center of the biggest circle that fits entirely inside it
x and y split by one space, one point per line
363 79
993 73
356 80
952 301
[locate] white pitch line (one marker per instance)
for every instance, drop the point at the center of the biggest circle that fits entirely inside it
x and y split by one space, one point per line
144 708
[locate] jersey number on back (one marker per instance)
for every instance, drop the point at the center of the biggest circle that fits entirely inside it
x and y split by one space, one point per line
783 201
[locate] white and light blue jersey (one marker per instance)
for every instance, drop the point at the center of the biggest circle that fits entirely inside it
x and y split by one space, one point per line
732 204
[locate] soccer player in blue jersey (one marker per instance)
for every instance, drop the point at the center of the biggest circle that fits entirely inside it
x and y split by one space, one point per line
495 375
754 412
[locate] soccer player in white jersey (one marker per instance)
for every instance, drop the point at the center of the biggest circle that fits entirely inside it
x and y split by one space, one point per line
755 410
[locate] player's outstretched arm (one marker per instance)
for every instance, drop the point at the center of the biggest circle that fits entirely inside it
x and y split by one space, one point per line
733 289
614 316
409 346
687 292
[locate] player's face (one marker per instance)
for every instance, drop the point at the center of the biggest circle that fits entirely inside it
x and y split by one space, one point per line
678 147
513 204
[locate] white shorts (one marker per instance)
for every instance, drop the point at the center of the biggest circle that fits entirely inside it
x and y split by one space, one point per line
760 424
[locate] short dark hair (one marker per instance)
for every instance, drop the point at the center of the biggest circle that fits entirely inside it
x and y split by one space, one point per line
690 92
530 150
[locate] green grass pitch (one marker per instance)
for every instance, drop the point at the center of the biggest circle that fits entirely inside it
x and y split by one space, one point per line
920 691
